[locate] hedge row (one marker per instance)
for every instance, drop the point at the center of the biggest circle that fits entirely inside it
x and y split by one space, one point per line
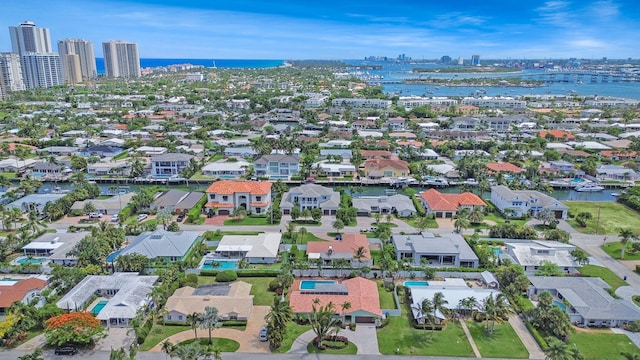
244 273
536 335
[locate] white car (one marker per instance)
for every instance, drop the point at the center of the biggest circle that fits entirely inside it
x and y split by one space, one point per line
142 217
95 216
115 218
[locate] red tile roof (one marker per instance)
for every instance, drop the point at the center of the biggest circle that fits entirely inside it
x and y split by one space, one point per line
375 153
438 201
618 153
232 187
349 244
558 134
506 167
16 292
363 296
379 163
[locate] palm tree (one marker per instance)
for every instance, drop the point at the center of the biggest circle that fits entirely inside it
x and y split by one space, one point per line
345 306
193 320
277 321
360 253
302 233
438 303
210 320
33 223
461 223
626 235
495 309
167 347
322 320
192 351
424 311
557 349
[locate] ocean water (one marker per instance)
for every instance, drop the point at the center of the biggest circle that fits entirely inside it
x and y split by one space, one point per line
219 63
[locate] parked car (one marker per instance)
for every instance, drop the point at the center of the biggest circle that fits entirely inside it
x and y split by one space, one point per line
142 217
66 350
180 217
263 334
95 215
115 218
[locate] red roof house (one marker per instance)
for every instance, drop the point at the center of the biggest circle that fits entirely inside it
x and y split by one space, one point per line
495 168
23 290
226 195
360 293
447 205
345 249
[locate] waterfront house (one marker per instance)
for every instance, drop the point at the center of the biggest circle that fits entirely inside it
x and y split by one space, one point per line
520 203
447 205
388 168
383 205
442 250
311 196
177 201
224 196
616 172
530 254
162 245
169 164
254 249
226 169
277 166
21 290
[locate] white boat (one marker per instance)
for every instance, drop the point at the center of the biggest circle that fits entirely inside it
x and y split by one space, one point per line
437 182
589 188
615 194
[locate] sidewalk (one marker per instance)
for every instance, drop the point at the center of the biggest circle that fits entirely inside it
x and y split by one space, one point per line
474 347
527 339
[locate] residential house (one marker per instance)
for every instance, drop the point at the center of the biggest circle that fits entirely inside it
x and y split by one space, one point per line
344 154
383 205
21 290
530 254
447 205
495 168
372 154
243 152
453 290
169 164
54 248
224 196
226 169
110 206
125 294
360 293
586 300
255 249
556 135
58 150
35 202
311 196
520 203
100 151
50 170
277 166
388 168
443 250
346 249
16 165
334 170
162 245
177 201
616 155
616 172
118 168
233 301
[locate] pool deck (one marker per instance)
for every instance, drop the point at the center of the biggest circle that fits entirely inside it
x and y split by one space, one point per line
95 302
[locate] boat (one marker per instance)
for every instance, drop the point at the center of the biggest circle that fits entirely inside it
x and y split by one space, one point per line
615 194
589 188
437 182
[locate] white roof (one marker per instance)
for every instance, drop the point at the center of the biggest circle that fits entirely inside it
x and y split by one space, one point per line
42 245
261 245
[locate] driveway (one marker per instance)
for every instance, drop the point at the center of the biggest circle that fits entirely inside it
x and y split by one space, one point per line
116 338
364 338
248 339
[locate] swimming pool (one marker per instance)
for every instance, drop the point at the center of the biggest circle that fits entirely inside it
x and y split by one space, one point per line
416 283
33 261
220 265
560 305
99 306
112 257
311 284
577 180
497 251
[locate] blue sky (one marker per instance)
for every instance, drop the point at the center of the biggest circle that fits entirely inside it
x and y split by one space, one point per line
347 29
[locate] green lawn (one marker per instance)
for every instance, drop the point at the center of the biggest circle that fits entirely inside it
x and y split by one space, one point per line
433 224
307 237
249 220
613 217
294 330
217 235
613 249
259 288
350 349
400 338
225 345
158 333
386 297
503 343
605 274
602 344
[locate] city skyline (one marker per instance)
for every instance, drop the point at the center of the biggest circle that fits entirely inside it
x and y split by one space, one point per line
286 29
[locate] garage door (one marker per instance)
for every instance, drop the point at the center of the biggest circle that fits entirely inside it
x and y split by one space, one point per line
558 214
365 319
223 212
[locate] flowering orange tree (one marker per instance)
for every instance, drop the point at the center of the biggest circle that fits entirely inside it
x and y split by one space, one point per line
75 327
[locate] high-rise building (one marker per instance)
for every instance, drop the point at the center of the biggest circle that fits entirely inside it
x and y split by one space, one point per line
460 60
445 59
40 65
475 60
10 73
78 60
121 59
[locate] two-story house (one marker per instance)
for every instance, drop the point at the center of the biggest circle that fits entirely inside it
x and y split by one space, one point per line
226 195
277 166
311 196
389 168
169 164
526 202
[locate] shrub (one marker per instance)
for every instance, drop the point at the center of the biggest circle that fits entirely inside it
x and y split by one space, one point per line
536 335
274 284
352 326
226 276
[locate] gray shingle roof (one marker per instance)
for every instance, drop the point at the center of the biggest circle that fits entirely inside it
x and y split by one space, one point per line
161 243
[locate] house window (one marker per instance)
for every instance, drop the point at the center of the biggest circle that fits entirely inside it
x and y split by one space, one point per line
179 317
225 198
258 198
213 196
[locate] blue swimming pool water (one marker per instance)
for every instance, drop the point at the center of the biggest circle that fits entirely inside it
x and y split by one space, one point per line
560 305
99 306
497 251
220 265
112 257
311 284
577 180
30 261
416 283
